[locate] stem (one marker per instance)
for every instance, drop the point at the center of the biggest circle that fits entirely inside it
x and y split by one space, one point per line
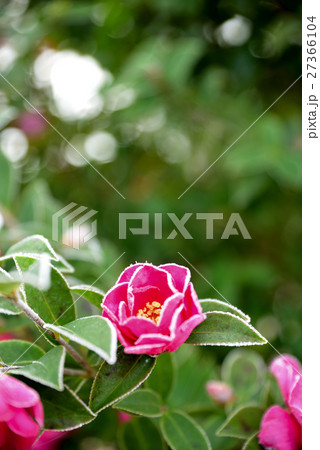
75 372
37 320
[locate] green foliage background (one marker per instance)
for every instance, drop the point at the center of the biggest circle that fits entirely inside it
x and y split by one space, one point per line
193 97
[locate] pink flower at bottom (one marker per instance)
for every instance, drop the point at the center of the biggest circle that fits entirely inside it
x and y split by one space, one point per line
21 414
280 428
50 440
154 309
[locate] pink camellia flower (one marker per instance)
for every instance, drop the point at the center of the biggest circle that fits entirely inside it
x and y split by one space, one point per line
220 392
154 309
280 428
21 414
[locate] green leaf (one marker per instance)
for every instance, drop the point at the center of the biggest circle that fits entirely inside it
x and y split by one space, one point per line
195 396
7 283
8 307
211 305
92 294
252 443
95 332
37 275
47 370
8 181
242 423
143 402
36 246
140 433
182 432
210 424
182 58
113 383
63 410
163 376
8 286
55 305
224 328
17 352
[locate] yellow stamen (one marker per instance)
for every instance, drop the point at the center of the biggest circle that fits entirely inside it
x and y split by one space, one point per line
151 311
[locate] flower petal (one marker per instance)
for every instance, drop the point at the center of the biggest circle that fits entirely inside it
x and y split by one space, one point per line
184 331
280 430
126 340
3 433
49 440
139 299
23 424
192 304
180 274
138 326
17 442
148 349
123 312
295 399
149 276
113 298
37 413
152 339
17 393
168 309
6 411
126 275
285 368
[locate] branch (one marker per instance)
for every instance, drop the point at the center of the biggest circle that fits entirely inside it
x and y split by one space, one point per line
37 320
75 372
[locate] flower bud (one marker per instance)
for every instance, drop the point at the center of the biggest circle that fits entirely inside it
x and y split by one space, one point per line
220 392
124 417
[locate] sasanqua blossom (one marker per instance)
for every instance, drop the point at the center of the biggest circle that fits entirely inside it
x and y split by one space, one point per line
21 414
154 309
281 428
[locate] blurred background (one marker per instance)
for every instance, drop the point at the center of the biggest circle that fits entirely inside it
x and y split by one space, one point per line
151 92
